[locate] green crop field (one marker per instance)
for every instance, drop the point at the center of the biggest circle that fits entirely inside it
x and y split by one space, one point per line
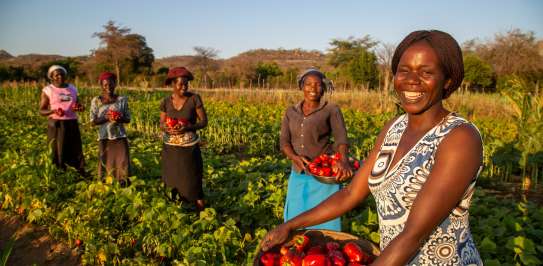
245 178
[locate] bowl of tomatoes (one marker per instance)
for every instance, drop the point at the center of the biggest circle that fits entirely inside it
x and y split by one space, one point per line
320 247
322 167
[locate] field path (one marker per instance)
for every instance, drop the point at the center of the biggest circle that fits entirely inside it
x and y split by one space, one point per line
33 244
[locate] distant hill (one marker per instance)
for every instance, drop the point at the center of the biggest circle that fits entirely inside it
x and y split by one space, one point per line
28 59
294 58
5 55
172 61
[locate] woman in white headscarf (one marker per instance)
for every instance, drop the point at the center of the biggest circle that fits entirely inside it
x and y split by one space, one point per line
59 103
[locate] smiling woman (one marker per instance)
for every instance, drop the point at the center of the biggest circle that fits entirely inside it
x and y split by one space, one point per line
59 103
305 134
110 112
423 167
181 114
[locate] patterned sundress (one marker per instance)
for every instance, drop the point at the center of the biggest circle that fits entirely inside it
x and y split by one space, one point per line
396 187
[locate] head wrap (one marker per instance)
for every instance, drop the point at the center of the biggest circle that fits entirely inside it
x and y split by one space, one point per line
178 72
326 83
107 75
55 67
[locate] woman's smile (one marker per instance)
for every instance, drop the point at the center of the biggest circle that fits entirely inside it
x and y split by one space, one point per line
412 96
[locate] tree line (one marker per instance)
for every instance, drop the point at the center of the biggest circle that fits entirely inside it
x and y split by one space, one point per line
352 63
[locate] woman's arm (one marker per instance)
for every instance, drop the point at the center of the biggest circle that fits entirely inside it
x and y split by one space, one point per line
339 131
95 120
286 145
297 160
44 105
343 167
125 118
335 206
202 119
458 159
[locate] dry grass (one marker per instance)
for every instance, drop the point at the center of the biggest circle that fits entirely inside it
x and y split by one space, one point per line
469 104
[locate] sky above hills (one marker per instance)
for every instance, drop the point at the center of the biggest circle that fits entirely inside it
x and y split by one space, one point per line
175 27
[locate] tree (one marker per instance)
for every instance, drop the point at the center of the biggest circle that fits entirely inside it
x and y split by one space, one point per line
477 73
354 60
363 69
70 64
514 53
265 71
120 49
384 54
205 61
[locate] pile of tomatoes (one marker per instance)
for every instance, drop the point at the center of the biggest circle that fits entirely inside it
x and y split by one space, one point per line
113 114
323 165
175 123
299 252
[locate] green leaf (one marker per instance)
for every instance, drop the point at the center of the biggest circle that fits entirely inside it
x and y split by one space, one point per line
526 244
34 215
374 236
529 259
492 262
4 254
487 245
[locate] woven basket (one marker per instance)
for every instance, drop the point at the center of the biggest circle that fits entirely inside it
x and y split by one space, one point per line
321 237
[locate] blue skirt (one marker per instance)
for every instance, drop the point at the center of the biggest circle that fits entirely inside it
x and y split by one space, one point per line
305 192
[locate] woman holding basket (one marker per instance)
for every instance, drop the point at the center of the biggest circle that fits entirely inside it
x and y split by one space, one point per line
181 114
423 168
306 130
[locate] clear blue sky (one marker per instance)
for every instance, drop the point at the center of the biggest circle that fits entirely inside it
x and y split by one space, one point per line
175 27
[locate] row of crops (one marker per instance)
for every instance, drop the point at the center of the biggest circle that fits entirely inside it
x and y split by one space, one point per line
245 181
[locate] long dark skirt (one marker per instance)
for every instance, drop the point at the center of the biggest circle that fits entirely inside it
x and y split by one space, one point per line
182 169
65 140
114 158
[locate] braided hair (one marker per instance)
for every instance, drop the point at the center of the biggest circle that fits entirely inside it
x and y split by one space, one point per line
448 52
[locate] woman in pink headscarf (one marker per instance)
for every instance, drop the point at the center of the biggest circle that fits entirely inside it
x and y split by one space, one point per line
110 112
59 103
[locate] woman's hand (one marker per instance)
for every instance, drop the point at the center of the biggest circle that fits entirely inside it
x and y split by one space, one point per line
344 170
172 130
59 111
275 237
176 130
112 118
77 107
300 161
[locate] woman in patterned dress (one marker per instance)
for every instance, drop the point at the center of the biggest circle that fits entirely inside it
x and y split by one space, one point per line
423 168
110 112
182 165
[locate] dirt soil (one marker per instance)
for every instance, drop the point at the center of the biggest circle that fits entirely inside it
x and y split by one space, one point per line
33 244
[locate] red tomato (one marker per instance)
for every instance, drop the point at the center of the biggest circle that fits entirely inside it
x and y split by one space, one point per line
315 260
315 250
290 259
300 242
355 253
356 164
269 259
60 112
